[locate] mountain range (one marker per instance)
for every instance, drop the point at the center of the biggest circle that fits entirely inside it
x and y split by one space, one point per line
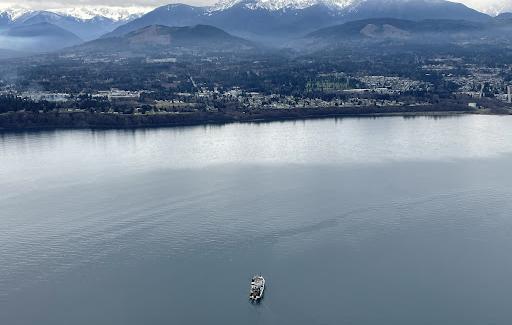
271 22
85 28
33 31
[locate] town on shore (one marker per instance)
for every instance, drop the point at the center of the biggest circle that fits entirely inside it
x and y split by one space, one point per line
185 86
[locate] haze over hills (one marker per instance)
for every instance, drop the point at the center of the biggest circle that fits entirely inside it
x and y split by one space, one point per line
259 19
38 37
401 35
86 29
264 21
8 54
79 24
400 29
86 22
157 39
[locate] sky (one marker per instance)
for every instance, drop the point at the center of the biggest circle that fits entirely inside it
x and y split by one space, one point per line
491 6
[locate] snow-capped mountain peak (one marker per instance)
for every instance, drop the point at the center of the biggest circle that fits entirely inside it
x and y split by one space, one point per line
117 14
282 4
15 13
491 7
114 13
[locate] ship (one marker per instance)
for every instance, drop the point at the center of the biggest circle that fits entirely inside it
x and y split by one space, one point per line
257 288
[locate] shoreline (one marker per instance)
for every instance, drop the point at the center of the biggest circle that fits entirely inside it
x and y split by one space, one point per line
25 121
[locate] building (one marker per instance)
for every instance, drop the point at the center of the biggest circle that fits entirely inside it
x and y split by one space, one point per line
39 96
119 95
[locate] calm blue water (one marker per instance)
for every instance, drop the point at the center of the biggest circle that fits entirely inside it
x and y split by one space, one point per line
352 221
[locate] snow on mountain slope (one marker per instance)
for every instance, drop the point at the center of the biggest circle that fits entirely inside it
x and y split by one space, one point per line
283 4
491 7
114 13
14 13
117 14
